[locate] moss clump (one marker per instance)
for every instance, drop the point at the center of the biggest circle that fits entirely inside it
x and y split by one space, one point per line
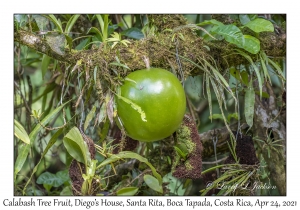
188 165
184 139
188 141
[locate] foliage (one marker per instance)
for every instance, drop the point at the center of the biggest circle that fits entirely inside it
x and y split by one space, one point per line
63 107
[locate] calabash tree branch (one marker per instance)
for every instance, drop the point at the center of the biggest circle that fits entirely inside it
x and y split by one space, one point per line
162 48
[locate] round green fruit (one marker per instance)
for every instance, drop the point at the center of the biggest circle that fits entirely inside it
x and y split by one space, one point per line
155 107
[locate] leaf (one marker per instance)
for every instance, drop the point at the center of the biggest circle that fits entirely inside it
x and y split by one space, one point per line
210 22
134 33
119 64
54 180
264 67
216 116
20 132
231 33
89 117
279 71
249 106
180 152
251 44
56 42
67 191
233 115
259 25
109 108
102 113
96 31
82 44
56 22
244 19
71 23
264 94
103 25
45 63
208 93
69 41
153 183
134 106
77 147
244 76
255 69
42 22
128 154
127 191
24 149
49 145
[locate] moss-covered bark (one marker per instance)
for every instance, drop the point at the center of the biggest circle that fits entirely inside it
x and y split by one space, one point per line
161 49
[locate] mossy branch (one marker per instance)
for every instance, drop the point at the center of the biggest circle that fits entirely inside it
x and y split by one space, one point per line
160 48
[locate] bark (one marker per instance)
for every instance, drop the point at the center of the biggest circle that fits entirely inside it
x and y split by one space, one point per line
267 118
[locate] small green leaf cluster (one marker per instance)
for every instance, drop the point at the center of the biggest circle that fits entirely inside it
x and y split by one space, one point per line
234 35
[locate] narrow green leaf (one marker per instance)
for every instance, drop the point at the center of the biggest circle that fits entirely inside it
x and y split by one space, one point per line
56 22
20 132
89 117
128 191
105 129
128 154
51 142
264 67
83 43
255 69
77 147
153 183
96 31
259 25
233 115
249 106
69 41
215 183
71 23
119 64
231 33
103 21
278 69
264 94
210 22
208 93
216 117
180 152
134 106
237 180
102 113
24 150
45 63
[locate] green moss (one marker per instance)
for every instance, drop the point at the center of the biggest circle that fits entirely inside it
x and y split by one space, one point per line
188 165
184 139
186 145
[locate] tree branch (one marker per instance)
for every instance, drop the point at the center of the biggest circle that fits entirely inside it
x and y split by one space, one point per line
161 48
223 136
